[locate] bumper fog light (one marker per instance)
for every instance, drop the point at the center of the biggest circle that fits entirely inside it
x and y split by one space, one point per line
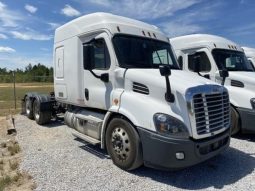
180 155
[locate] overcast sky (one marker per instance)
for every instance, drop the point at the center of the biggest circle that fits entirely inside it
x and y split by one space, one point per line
27 26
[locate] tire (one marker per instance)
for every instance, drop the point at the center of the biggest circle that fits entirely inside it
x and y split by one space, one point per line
235 125
40 117
123 144
29 108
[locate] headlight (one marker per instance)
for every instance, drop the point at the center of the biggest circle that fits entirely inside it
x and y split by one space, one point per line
253 103
170 126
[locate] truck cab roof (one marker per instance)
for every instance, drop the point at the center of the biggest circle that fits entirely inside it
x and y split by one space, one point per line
250 52
203 40
106 21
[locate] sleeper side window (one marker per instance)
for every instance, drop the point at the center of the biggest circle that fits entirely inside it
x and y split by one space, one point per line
205 62
96 55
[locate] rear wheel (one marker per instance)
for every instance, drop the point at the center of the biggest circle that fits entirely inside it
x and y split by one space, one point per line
41 117
235 125
29 108
123 144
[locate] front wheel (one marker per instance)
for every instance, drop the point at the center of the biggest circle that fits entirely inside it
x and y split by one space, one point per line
235 125
41 117
123 144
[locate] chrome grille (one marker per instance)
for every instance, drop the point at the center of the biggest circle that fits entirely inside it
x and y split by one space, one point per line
212 112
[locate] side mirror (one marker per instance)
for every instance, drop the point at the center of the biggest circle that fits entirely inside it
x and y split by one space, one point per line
196 64
88 57
165 70
224 74
104 77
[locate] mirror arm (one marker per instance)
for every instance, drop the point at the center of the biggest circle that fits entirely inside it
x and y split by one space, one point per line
168 95
223 81
104 79
94 74
200 74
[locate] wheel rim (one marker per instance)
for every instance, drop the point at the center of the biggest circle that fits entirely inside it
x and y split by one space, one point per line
27 107
36 110
121 143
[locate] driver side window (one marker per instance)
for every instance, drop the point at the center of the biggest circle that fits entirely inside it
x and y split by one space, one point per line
205 65
99 57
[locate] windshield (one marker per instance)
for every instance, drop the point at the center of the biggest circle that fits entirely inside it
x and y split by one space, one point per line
252 64
231 60
139 52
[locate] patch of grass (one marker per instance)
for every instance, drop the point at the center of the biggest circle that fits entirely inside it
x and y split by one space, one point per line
33 186
13 149
3 145
5 181
17 177
13 165
7 98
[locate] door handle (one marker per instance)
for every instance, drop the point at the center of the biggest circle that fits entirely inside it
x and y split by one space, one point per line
87 94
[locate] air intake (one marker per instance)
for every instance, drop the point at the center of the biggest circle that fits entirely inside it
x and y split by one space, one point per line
236 83
140 88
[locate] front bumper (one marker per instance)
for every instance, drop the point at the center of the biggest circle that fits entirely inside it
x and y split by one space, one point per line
247 120
160 151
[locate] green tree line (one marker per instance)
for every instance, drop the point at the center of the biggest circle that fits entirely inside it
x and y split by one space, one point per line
36 73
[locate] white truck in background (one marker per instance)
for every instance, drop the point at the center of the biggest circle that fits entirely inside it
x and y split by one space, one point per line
120 86
212 54
250 54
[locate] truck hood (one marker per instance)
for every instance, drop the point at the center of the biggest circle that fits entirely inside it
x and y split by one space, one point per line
247 78
180 80
144 95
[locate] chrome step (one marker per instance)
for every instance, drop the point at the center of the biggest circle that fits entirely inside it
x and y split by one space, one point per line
85 137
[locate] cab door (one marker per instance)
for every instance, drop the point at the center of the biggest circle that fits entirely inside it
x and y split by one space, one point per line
97 78
207 67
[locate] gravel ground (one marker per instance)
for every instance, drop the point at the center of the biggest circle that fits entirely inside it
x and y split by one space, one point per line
58 161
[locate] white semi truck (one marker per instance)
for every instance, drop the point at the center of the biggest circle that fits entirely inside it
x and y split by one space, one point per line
212 54
120 86
250 54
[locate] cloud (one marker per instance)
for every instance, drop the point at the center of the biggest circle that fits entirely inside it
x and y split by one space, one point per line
149 9
53 26
9 18
173 29
70 11
2 6
30 36
190 22
30 8
6 49
21 61
243 30
44 49
3 36
104 3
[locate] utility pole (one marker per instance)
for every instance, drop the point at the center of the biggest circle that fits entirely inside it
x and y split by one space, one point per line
14 89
